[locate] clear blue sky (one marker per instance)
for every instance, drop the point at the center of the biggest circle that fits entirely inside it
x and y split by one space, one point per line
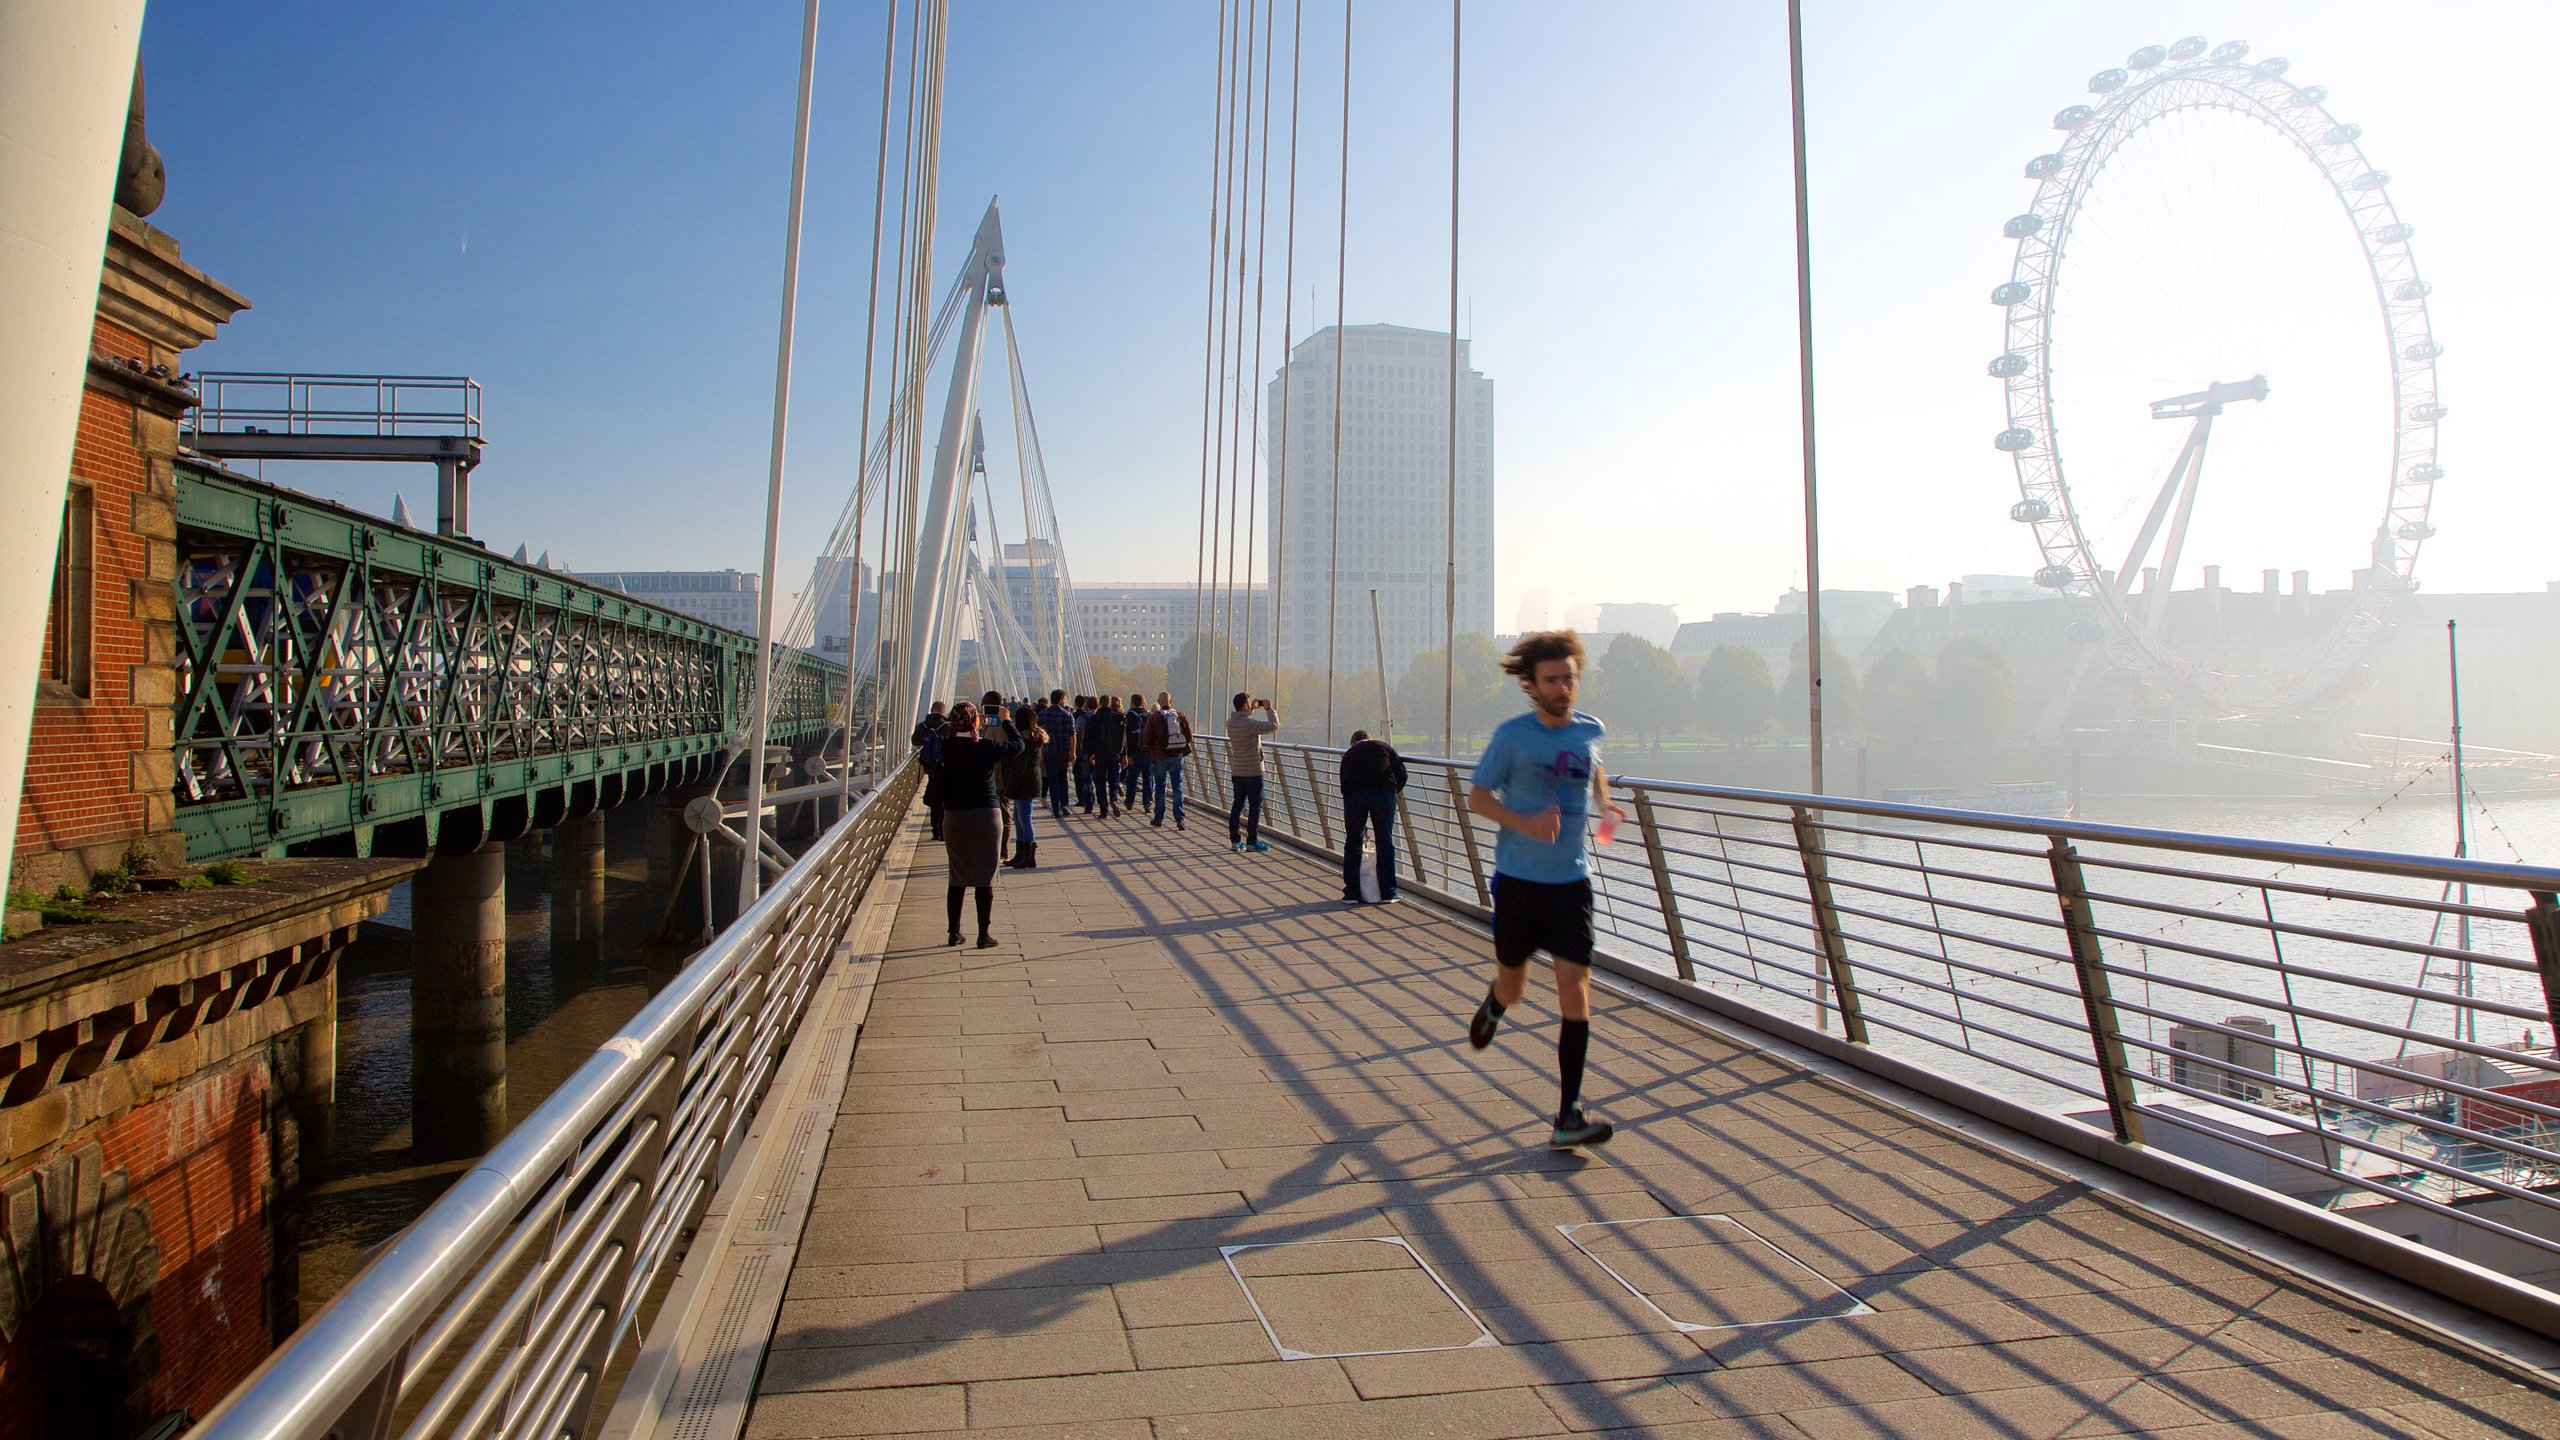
582 207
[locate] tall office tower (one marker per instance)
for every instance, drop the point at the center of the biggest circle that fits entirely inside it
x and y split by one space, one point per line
1394 517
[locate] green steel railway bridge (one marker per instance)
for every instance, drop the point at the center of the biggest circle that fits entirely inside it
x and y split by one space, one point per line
348 685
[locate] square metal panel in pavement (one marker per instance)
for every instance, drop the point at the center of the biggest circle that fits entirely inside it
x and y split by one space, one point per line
1330 1299
1710 1272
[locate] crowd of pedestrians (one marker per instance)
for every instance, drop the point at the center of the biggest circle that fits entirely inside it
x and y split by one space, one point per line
1540 781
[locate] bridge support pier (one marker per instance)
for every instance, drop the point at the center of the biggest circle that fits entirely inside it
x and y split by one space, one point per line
458 1003
577 897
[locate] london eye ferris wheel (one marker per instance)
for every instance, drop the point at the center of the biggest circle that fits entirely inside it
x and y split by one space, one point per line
2212 269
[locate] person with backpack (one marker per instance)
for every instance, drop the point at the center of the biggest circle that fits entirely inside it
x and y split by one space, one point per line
1059 753
1252 720
1022 785
1168 745
992 713
1139 775
927 739
1106 733
1372 777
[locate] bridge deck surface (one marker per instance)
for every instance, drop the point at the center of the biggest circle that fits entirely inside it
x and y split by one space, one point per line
1044 1147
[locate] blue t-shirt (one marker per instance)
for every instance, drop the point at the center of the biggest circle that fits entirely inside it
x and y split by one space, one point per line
1530 765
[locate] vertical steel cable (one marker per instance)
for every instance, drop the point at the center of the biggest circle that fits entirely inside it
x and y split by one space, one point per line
1804 361
928 207
1249 377
1230 386
1280 482
1449 596
895 519
862 435
1220 145
1341 276
759 725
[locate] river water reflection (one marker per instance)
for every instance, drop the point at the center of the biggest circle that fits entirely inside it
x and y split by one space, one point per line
364 1182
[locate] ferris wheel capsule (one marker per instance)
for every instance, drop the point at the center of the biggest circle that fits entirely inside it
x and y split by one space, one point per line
2429 411
2011 292
2107 80
2008 367
2273 65
2146 57
2413 290
2416 530
2396 233
2056 577
2230 52
2423 350
2072 117
2022 226
2189 48
2014 439
2426 473
2031 510
2043 165
2342 135
2307 96
2370 180
2084 632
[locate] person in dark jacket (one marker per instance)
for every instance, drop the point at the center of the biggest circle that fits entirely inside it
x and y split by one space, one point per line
927 739
1372 775
1106 738
1022 785
992 713
1058 756
1138 781
970 760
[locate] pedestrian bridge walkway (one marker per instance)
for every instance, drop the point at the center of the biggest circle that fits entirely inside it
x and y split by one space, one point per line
1200 1151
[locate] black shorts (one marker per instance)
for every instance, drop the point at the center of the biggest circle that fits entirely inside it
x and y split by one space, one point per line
1529 916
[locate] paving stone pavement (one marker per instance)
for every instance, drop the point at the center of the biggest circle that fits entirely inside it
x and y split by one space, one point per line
1046 1149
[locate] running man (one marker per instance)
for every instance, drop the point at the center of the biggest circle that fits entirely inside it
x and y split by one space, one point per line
1541 781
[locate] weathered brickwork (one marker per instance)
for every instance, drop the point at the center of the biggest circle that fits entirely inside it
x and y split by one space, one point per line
99 765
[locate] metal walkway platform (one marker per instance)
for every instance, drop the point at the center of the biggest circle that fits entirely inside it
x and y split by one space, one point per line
1049 1154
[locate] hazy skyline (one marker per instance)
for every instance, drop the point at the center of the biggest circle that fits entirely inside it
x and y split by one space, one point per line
586 213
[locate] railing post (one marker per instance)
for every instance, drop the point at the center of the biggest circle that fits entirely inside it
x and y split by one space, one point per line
1467 832
1288 806
1412 847
2542 921
2115 1077
1662 887
1826 924
1315 797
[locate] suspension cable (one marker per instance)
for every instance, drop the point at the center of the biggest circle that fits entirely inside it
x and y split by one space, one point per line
895 520
862 435
1212 666
1210 344
1341 277
1449 585
1280 479
1249 382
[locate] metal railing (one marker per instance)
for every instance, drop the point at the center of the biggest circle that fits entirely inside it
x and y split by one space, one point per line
2367 1033
501 1309
377 405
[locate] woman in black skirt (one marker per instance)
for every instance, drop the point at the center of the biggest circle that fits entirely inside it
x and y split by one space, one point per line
971 760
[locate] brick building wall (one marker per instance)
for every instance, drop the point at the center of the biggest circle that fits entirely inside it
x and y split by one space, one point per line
100 773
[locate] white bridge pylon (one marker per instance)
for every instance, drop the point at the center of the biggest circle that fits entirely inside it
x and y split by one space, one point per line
956 588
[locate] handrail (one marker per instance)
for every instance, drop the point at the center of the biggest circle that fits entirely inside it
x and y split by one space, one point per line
2301 1017
373 404
534 1265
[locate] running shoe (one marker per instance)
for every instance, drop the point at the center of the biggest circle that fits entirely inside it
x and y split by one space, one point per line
1259 846
1480 1029
1573 1129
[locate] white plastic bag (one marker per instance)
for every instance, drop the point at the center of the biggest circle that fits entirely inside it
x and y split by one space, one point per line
1369 873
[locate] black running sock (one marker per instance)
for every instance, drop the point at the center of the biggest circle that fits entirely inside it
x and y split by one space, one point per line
1492 1006
951 902
986 908
1573 1044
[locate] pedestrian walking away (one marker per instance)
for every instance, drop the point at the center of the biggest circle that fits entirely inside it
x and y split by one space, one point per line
1541 780
1168 745
1249 721
1107 732
992 711
1372 777
1059 753
927 740
971 757
1138 778
1022 786
1084 753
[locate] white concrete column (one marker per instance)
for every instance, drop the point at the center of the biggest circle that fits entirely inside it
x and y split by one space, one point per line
66 78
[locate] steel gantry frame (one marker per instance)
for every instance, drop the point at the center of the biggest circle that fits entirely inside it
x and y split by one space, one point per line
341 676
